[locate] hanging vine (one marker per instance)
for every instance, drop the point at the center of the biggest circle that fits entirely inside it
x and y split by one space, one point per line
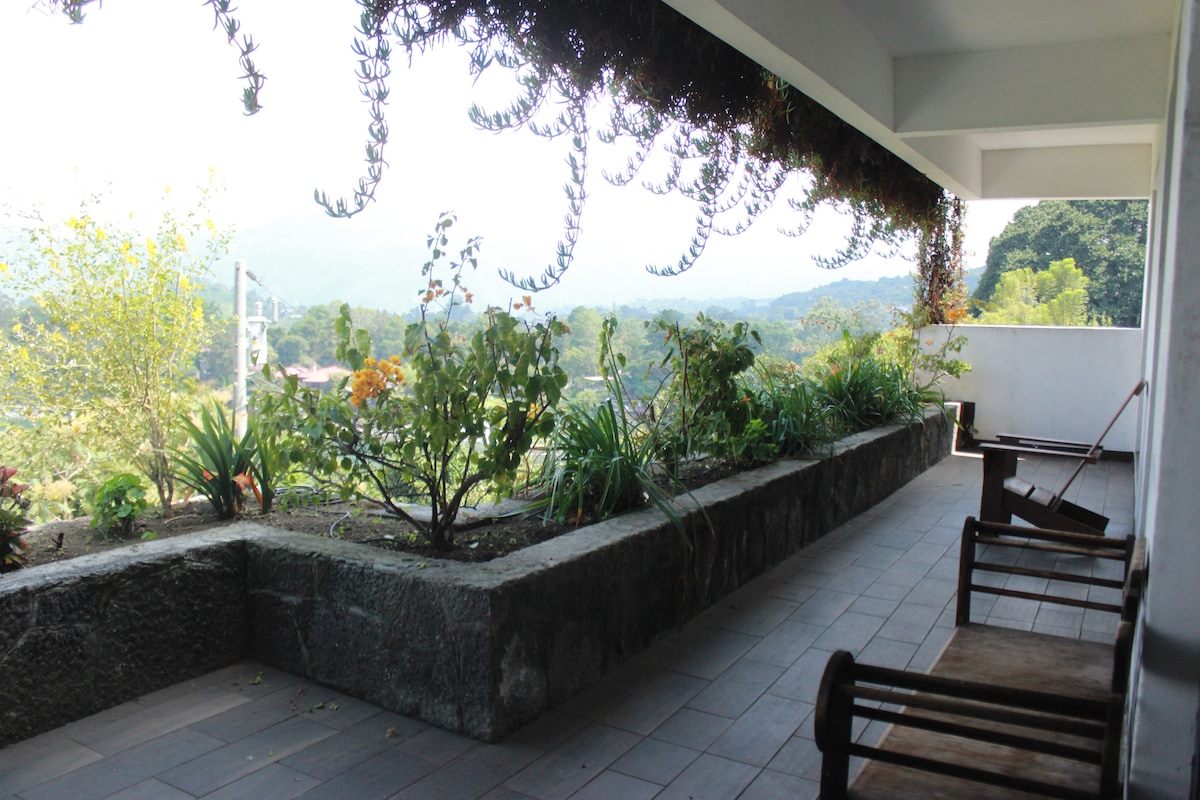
733 134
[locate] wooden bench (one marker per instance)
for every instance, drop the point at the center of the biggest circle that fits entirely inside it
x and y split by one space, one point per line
1004 713
1006 496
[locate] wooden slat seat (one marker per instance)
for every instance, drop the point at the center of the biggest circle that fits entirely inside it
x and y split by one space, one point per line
1004 713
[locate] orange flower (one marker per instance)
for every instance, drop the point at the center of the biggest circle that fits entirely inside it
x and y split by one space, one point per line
375 378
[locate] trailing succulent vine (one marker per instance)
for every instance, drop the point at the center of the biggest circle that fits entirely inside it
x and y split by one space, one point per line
613 71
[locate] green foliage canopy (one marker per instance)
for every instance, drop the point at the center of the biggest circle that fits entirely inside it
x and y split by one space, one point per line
1056 296
1106 239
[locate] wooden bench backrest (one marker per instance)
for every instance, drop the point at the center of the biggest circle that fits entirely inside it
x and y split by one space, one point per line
977 534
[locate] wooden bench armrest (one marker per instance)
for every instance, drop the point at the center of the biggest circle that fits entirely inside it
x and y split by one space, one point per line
996 535
1016 449
1087 541
1043 442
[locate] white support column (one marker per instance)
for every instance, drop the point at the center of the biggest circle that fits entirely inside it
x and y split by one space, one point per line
1168 676
241 349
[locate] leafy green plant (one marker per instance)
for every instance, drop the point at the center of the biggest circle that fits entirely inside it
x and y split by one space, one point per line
118 502
703 407
929 355
13 520
219 465
448 416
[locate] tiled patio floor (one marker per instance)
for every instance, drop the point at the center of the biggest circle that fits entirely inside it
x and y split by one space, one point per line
722 709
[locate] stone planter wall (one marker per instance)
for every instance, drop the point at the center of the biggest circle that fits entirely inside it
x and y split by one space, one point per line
88 634
475 648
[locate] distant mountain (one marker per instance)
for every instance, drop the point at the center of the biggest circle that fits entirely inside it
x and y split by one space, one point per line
310 260
307 261
897 291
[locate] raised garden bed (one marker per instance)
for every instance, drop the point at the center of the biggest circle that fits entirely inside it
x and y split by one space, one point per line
478 649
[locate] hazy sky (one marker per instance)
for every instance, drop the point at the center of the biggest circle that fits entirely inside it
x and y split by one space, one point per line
145 95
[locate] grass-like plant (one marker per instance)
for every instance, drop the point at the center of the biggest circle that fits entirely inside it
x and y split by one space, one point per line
795 418
269 461
861 390
599 465
219 466
602 462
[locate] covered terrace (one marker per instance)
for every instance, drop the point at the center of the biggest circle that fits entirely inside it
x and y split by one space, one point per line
721 709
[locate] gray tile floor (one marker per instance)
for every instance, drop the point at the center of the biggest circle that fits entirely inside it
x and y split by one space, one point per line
721 709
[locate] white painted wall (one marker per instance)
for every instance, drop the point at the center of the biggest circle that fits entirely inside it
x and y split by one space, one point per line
1060 383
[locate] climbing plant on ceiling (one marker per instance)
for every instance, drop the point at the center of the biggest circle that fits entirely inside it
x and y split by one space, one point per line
639 73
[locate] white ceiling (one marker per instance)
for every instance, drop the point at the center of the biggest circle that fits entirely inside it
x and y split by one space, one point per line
922 27
990 98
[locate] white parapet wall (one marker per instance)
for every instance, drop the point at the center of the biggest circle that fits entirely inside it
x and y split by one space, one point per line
1062 383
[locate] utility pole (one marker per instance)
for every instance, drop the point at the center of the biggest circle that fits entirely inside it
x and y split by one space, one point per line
256 331
241 350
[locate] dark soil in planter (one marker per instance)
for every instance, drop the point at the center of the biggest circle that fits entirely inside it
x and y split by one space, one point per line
352 522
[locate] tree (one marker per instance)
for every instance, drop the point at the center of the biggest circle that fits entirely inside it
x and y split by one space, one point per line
317 330
1056 296
1106 239
121 325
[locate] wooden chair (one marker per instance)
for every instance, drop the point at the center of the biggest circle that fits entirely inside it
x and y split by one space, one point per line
1003 714
1006 496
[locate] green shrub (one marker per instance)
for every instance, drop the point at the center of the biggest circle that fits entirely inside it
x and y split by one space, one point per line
118 502
703 409
794 418
862 390
449 416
